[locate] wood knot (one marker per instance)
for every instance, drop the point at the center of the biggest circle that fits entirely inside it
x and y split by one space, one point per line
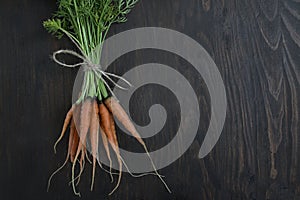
206 5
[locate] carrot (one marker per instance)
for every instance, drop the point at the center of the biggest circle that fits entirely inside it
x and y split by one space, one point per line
78 144
76 138
83 130
118 111
74 145
65 126
113 128
81 163
106 148
106 126
94 130
85 115
76 114
81 148
71 136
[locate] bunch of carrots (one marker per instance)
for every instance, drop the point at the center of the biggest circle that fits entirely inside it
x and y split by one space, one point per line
86 23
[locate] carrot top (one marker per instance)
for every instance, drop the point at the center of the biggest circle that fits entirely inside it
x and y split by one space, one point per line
86 23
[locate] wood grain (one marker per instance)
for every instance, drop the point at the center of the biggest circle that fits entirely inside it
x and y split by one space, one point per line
255 45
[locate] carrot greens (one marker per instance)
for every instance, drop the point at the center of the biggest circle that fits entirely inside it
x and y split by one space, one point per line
87 22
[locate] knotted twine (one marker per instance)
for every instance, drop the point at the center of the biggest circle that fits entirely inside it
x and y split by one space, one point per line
90 66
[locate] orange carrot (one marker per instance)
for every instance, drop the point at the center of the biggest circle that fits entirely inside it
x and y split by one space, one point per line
94 130
76 138
71 136
118 111
106 126
92 118
113 128
74 145
105 121
65 126
106 148
85 116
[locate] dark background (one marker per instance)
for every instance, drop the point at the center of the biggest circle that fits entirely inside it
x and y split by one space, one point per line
255 45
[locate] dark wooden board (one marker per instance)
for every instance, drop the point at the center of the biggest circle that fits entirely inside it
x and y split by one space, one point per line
255 45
